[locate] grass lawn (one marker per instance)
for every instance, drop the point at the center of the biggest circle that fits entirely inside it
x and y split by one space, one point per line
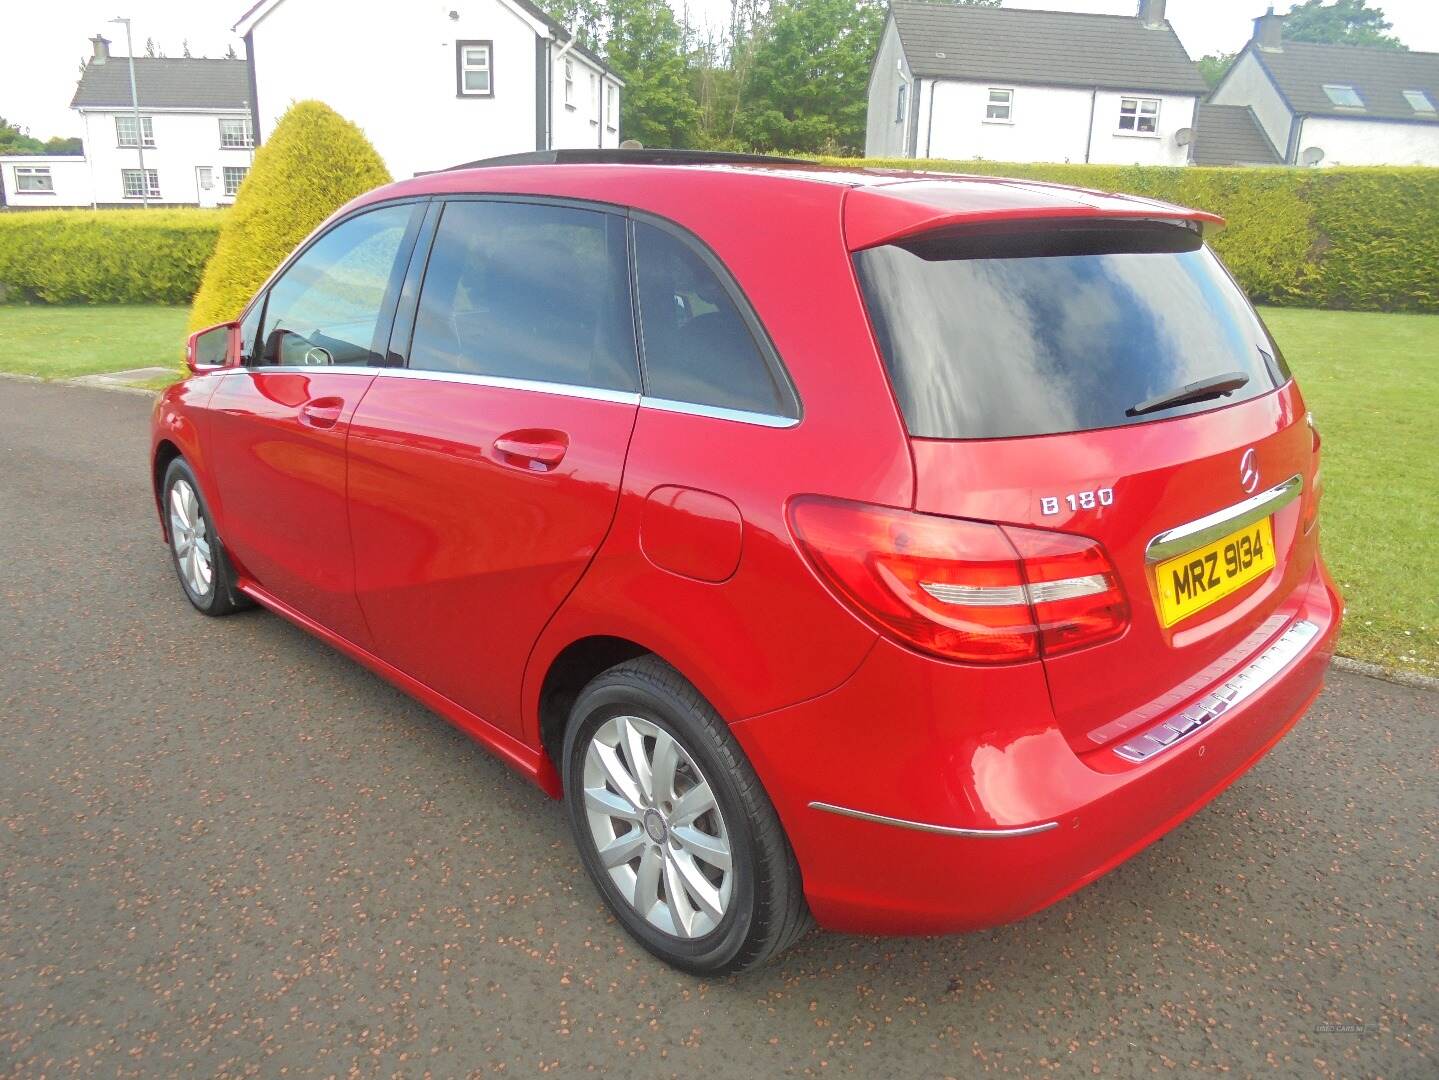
61 342
1372 381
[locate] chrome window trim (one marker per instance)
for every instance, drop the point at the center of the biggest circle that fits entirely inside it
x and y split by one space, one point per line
1221 523
593 393
739 416
924 826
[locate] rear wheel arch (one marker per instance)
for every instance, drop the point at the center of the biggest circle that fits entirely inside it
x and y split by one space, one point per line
572 669
165 452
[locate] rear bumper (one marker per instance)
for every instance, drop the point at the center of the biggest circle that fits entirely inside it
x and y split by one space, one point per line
994 816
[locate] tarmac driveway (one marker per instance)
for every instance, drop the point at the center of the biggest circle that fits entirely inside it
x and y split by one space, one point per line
226 850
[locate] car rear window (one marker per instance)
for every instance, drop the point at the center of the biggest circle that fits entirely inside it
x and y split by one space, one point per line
1059 327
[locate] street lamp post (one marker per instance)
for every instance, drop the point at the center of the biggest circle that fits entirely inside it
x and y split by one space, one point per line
135 104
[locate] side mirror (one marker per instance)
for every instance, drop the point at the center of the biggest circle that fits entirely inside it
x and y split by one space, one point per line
212 349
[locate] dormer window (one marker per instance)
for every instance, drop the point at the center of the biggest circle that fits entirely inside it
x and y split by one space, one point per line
1346 97
474 69
1419 101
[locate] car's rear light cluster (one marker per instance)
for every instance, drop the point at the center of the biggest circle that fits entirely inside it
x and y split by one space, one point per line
1315 491
963 590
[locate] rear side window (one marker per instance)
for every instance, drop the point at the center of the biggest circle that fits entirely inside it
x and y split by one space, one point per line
528 291
698 346
1059 328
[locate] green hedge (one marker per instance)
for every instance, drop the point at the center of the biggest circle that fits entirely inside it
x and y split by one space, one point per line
105 256
1361 238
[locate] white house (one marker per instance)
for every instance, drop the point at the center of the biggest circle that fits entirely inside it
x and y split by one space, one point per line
193 132
433 84
954 81
1336 104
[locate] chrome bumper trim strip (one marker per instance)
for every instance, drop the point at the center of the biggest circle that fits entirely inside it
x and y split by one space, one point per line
1245 683
1221 523
924 826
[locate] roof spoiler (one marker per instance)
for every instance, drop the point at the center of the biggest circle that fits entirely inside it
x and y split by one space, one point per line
888 213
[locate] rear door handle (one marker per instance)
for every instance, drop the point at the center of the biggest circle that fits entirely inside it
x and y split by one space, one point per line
533 449
322 412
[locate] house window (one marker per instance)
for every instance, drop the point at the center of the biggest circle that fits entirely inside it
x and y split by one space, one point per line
1000 109
612 112
236 132
127 131
901 103
135 188
1139 115
33 178
474 75
234 174
1346 97
1419 101
569 83
594 98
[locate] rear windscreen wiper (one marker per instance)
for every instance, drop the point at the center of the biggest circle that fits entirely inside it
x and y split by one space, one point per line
1203 390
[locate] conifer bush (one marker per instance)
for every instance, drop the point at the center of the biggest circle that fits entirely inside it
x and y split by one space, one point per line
313 163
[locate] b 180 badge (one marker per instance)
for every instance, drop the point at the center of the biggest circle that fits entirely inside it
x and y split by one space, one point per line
1076 500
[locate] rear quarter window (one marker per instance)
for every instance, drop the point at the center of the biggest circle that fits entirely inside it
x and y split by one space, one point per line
1058 328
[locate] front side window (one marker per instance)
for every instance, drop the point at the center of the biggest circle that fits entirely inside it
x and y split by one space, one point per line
1346 97
1419 101
1000 106
327 306
33 178
128 131
236 132
234 177
1139 115
139 185
1045 329
528 291
901 102
473 71
698 347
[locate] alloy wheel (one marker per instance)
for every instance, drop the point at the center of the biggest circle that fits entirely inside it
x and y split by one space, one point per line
191 539
657 827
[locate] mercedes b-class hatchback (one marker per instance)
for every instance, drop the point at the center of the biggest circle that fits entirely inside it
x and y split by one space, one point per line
895 551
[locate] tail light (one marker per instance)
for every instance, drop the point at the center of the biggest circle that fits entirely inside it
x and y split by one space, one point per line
1316 486
962 590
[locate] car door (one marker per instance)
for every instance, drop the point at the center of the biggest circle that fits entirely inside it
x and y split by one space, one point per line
484 476
278 424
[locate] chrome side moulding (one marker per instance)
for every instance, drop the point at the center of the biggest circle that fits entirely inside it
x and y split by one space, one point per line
1245 683
593 393
1221 523
924 826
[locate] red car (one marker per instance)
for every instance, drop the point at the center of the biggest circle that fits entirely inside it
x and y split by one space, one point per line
895 550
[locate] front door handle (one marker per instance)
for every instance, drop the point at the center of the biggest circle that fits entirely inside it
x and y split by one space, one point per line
322 412
533 449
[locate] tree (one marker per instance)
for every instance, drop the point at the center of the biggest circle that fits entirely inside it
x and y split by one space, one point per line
646 49
1214 67
1342 22
15 139
808 91
314 162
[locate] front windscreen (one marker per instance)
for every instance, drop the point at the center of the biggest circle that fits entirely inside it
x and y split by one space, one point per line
1060 327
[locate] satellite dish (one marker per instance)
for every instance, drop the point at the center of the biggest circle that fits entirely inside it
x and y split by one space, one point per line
632 144
1184 136
1311 156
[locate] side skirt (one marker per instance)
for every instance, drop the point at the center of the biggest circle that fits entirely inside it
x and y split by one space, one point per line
530 763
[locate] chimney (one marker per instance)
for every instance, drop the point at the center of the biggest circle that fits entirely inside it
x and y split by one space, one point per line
1268 31
101 46
1151 14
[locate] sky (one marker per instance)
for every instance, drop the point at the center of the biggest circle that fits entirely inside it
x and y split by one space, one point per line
42 44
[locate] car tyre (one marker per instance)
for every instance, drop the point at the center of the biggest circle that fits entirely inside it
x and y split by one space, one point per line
204 570
673 825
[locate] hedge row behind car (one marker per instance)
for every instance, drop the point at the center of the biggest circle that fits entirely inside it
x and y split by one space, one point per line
105 256
1359 238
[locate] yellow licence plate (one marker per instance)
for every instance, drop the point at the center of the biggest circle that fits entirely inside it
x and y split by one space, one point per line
1191 582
